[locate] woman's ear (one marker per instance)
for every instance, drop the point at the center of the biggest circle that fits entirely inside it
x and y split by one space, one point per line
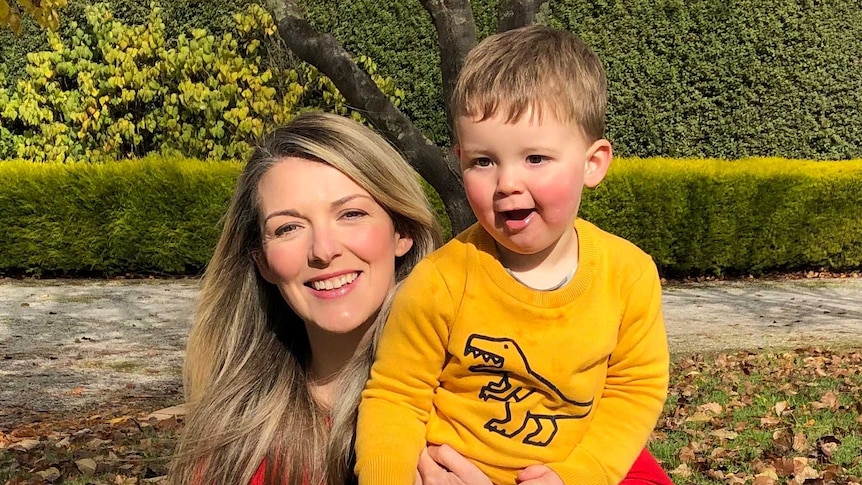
402 245
599 157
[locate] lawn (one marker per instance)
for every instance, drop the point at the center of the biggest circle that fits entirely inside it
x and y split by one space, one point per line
761 418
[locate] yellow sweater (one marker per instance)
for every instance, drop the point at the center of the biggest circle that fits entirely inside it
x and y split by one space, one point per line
573 378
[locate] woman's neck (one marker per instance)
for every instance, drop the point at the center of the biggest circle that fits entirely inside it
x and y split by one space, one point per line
330 352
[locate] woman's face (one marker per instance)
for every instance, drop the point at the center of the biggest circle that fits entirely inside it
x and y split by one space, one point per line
327 244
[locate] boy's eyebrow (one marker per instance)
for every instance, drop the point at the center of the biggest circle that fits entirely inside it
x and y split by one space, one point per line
335 204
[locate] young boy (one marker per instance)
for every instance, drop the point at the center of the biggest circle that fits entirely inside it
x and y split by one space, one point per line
533 338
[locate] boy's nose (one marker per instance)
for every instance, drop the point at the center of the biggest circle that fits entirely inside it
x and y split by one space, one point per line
508 181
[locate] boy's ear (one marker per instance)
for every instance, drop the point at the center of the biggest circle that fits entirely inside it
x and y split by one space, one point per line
456 149
599 157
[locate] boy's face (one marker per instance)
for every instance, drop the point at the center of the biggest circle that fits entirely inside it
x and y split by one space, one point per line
524 179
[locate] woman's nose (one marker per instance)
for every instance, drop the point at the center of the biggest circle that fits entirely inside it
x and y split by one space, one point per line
325 247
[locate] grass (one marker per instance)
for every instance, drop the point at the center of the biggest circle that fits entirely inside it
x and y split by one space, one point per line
745 418
764 413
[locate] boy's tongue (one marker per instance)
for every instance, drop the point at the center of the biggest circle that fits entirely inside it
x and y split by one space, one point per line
517 219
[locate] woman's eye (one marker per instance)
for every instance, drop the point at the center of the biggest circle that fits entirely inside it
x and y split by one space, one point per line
286 229
536 159
354 214
482 162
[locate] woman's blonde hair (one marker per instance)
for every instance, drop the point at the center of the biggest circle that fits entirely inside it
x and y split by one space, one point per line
246 371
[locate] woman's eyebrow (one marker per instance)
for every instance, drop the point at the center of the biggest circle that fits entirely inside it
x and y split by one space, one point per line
335 204
283 212
340 202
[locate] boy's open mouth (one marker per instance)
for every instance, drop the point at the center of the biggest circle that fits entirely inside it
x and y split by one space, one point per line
517 215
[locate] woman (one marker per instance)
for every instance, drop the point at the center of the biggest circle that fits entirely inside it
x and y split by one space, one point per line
325 219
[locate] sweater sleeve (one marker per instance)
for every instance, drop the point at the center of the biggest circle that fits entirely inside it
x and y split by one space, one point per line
397 399
634 392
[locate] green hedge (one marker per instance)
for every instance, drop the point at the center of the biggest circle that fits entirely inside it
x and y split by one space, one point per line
162 216
153 215
746 216
694 78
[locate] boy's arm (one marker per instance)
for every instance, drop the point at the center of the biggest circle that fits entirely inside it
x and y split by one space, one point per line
398 397
634 392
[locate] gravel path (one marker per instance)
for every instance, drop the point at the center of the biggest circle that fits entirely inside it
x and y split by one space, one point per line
69 346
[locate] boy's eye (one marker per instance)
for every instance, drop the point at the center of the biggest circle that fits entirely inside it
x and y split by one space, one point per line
536 159
482 162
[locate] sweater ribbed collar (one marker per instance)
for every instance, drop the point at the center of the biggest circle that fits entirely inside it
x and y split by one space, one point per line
489 260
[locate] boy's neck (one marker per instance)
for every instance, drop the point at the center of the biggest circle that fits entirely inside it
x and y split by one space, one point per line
545 268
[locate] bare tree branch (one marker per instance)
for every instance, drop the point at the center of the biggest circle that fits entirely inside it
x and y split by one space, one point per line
512 14
438 167
456 35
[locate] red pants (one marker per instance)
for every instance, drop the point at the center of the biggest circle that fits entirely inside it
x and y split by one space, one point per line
646 471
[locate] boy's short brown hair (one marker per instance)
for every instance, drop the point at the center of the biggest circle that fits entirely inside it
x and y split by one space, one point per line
534 67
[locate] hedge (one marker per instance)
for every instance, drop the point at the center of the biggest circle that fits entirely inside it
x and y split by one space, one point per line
162 215
746 216
158 215
695 78
155 215
113 90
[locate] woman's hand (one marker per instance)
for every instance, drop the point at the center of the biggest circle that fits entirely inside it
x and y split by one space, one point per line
442 465
539 474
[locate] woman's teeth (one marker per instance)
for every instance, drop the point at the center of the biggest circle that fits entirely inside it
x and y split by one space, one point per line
333 283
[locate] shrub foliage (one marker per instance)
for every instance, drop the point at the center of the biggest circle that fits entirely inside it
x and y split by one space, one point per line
162 215
112 90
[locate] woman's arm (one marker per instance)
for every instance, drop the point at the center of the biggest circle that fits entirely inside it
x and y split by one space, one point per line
442 465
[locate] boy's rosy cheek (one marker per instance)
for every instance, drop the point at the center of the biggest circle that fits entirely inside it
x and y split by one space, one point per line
559 197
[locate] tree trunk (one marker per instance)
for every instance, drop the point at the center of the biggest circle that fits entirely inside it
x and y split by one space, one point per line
456 35
435 165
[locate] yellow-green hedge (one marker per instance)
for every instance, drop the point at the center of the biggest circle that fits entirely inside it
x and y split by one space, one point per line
745 216
161 215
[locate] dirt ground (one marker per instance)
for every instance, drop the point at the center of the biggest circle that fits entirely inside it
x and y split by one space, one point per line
69 347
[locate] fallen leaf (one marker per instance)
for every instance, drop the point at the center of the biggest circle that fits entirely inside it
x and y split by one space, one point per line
49 475
713 407
800 443
769 421
167 413
784 467
168 424
25 445
87 466
686 454
698 417
724 433
779 407
682 471
828 445
807 473
717 453
764 480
